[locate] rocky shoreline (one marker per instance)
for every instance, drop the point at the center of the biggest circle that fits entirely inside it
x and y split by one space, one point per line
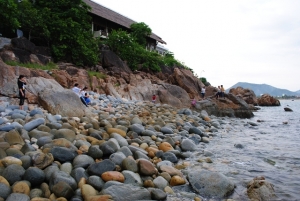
134 151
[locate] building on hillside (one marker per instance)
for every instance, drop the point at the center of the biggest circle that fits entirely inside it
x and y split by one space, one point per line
105 20
160 49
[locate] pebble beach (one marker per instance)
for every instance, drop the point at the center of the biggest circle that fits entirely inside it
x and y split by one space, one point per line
132 151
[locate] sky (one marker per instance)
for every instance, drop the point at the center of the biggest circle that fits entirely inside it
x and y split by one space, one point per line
226 41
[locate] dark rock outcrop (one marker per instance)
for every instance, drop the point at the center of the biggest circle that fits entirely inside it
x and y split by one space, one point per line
246 94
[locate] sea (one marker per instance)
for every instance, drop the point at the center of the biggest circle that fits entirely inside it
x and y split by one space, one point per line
268 146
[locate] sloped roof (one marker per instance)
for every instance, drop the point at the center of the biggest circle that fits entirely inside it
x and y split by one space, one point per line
115 17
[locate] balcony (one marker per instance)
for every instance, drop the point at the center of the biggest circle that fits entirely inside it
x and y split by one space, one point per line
101 34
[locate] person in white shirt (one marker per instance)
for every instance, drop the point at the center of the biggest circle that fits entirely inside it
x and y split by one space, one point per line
203 91
78 92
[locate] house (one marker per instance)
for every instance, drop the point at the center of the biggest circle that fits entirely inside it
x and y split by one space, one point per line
105 20
160 49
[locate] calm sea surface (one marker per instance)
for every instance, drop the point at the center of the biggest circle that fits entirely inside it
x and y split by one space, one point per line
271 149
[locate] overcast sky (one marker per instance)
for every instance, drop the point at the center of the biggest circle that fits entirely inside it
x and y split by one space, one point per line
226 41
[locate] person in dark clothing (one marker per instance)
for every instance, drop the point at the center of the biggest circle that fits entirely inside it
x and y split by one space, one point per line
21 85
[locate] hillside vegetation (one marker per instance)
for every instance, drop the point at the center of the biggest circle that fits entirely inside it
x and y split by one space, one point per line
64 27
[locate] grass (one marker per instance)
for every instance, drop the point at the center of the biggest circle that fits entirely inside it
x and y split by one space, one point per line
49 65
96 74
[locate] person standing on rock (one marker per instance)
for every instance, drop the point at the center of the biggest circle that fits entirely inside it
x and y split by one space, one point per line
21 85
153 98
203 91
218 92
222 92
77 91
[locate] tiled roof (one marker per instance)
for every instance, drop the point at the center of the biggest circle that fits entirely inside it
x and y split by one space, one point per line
115 17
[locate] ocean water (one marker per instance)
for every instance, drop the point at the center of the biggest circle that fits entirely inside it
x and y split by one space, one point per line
270 149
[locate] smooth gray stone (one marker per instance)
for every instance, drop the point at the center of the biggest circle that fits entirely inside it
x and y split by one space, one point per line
130 164
117 158
188 145
112 183
127 192
18 197
160 182
2 121
7 127
63 154
78 173
82 161
95 152
34 175
158 194
13 173
126 151
138 128
170 157
132 178
122 141
35 111
36 193
5 190
101 167
139 155
166 130
210 184
58 176
96 182
34 124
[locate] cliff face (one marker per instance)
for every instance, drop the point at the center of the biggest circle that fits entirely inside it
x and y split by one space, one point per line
173 86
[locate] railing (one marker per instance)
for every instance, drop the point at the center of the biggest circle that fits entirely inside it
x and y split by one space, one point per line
100 33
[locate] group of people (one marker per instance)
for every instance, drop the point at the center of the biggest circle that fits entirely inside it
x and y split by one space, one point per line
82 94
220 93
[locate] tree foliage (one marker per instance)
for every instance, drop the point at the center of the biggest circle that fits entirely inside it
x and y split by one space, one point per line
63 25
139 32
9 15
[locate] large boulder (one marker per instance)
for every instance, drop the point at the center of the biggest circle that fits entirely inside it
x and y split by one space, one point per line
64 102
267 100
210 184
187 81
247 95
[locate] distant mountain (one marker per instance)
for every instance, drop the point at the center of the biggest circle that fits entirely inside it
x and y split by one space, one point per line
259 89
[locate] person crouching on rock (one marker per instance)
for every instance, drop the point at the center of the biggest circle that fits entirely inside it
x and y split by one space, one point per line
21 85
77 91
153 98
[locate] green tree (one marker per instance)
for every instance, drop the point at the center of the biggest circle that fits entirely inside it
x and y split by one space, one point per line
139 32
68 31
9 15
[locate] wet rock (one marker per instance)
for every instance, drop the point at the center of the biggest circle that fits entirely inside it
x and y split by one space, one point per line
260 189
210 184
187 145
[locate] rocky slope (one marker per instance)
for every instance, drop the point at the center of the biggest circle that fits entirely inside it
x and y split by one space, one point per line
173 86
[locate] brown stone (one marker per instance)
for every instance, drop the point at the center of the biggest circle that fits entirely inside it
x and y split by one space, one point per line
165 146
4 181
13 137
8 160
87 191
177 180
146 167
40 199
116 130
100 198
113 176
21 187
170 170
260 189
46 191
149 184
42 160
